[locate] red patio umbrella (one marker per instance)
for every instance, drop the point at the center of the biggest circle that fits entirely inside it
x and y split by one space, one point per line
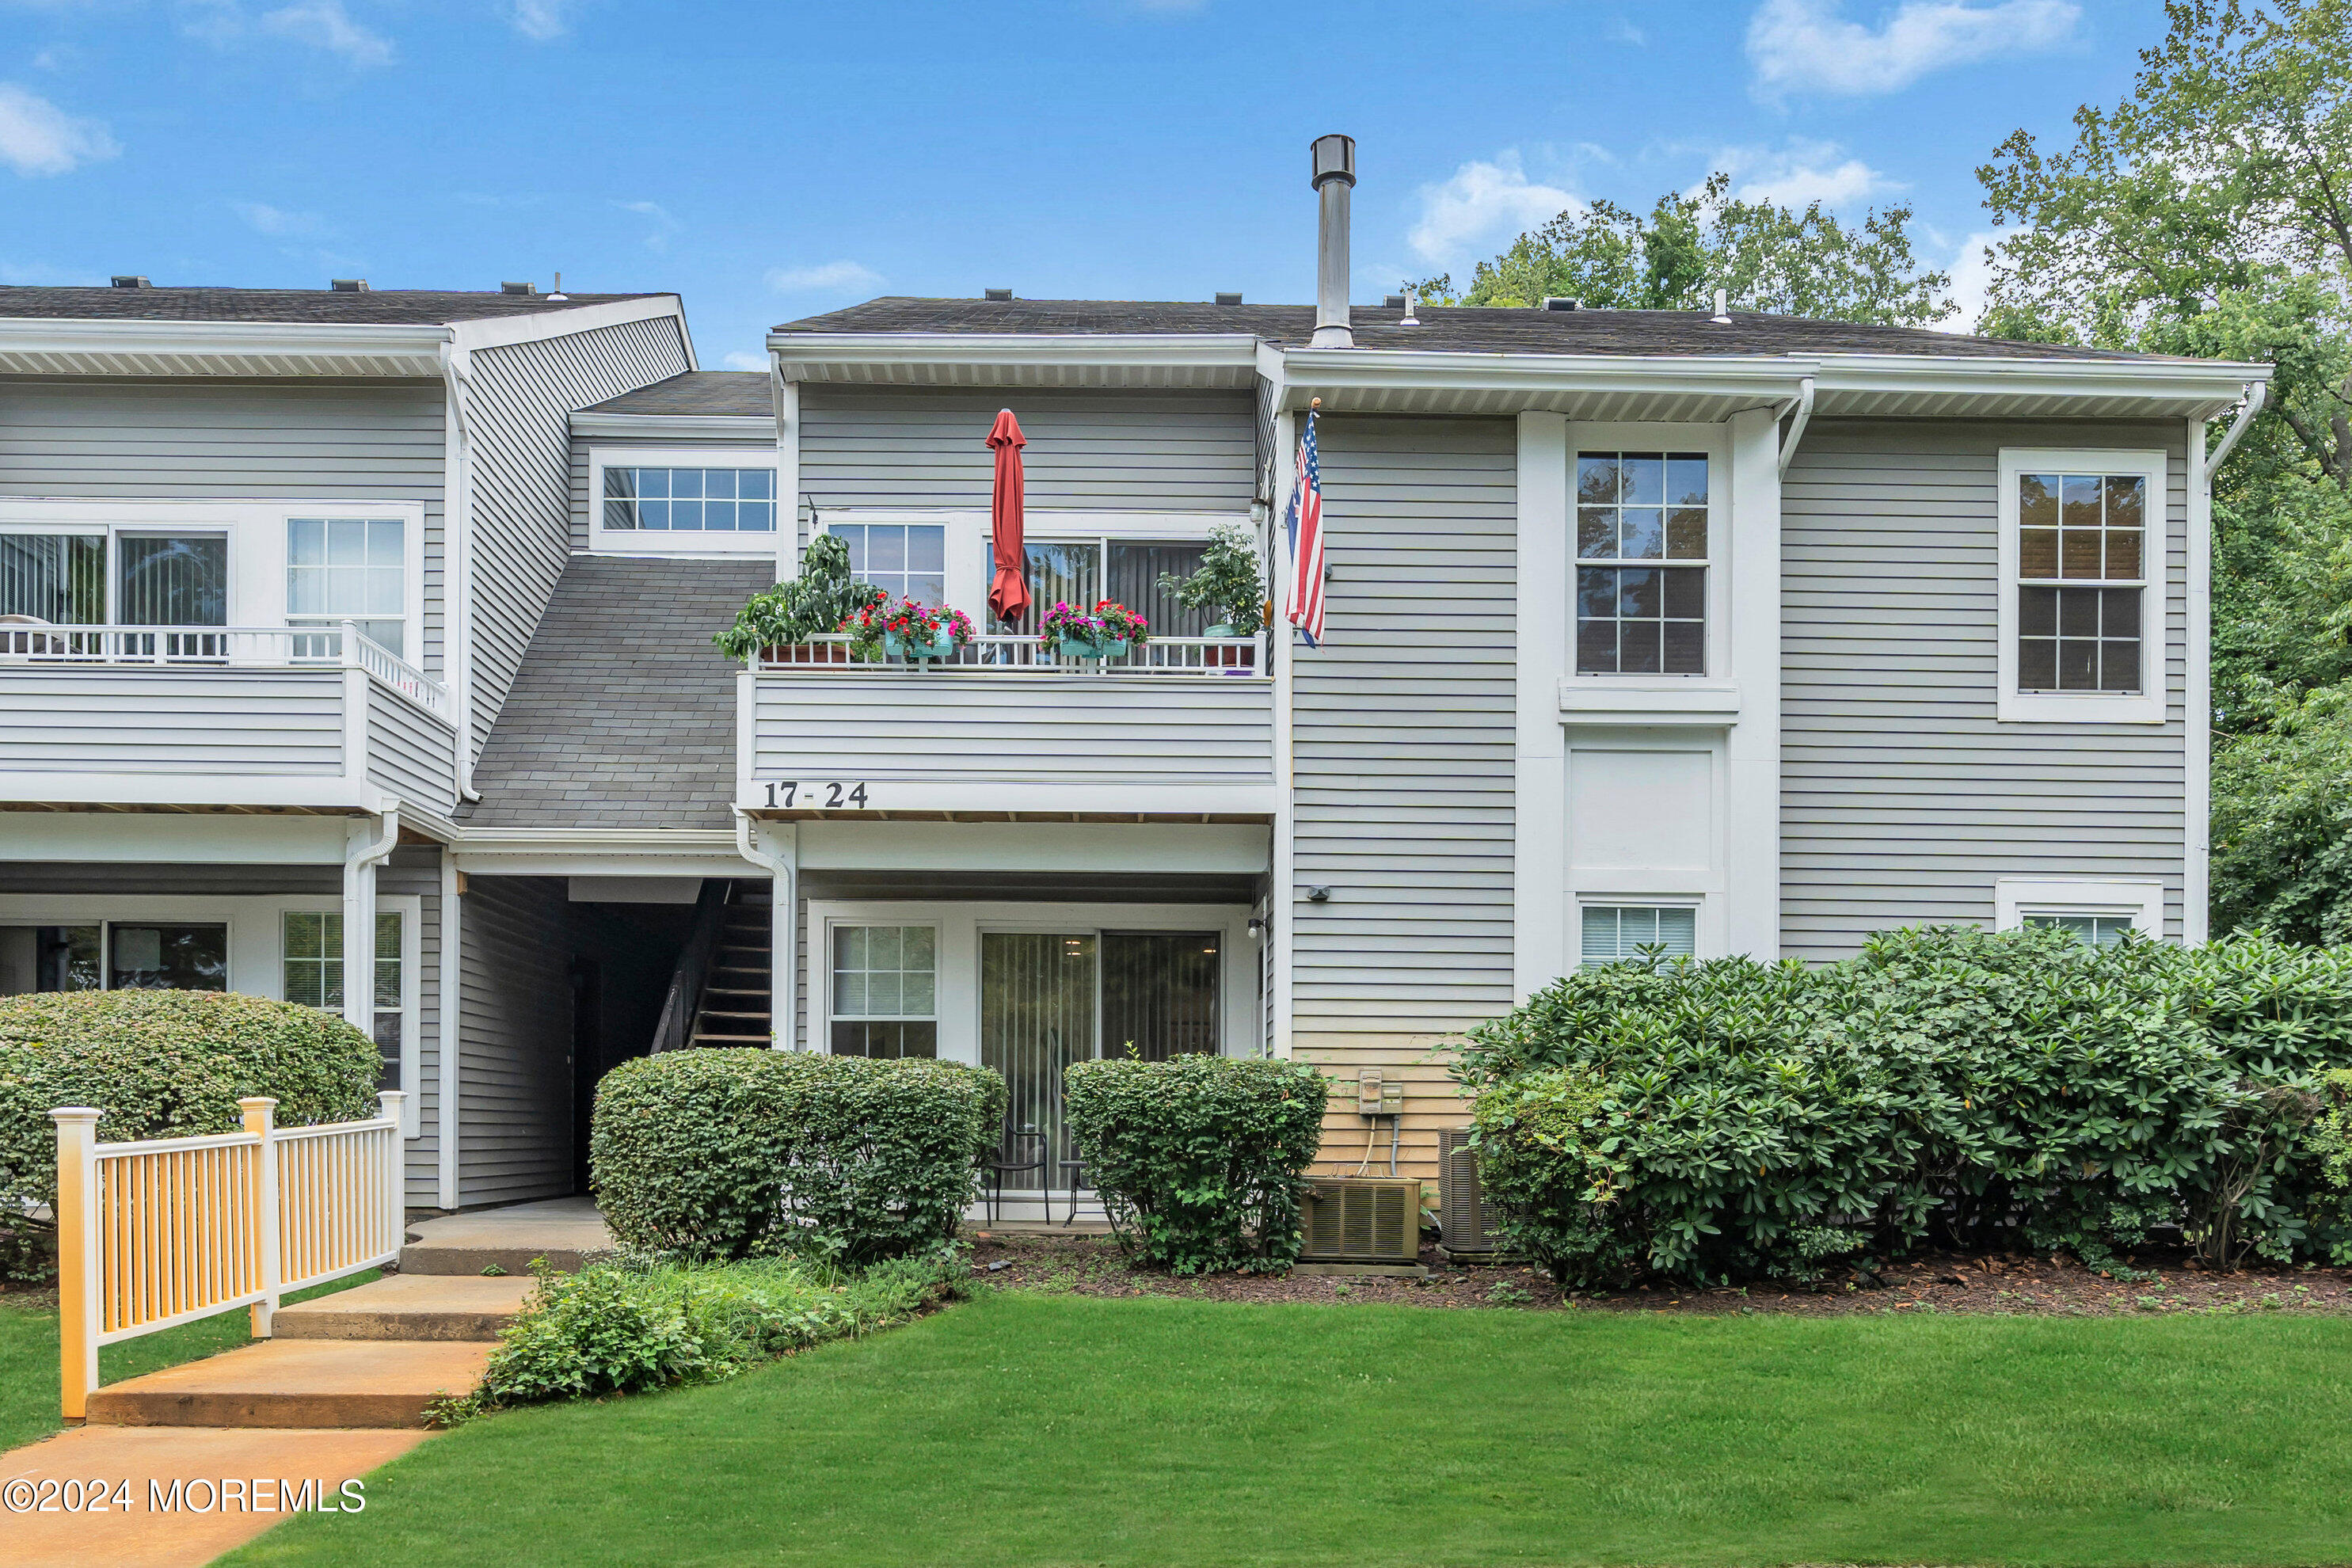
1008 591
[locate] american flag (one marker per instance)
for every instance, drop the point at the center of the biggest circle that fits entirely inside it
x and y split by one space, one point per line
1304 523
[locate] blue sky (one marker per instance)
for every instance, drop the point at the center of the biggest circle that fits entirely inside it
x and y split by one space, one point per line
773 161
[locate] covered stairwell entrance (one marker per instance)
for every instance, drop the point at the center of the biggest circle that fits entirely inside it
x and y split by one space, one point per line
722 992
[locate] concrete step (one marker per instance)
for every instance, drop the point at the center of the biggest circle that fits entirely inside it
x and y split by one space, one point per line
409 1307
564 1231
419 1257
297 1382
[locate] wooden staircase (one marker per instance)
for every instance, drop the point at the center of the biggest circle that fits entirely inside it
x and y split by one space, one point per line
737 992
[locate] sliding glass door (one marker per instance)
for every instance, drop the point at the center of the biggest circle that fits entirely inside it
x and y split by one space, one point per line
1048 999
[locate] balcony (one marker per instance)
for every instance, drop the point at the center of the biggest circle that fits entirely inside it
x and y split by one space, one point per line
1179 729
315 718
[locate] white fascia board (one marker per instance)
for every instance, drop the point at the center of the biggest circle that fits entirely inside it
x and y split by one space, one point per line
1067 802
178 838
2211 384
275 348
799 354
1229 849
1758 377
651 429
497 331
598 851
316 791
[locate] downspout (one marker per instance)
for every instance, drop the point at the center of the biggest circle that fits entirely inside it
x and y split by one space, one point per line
360 860
784 920
457 558
2197 760
1797 428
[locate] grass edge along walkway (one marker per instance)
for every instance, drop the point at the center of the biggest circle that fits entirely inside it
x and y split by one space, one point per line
28 1355
1025 1429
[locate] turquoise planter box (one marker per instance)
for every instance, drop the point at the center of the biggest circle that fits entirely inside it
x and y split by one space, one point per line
1091 647
937 646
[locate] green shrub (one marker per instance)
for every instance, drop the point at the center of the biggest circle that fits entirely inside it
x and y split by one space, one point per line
1199 1158
1740 1118
719 1153
159 1064
817 601
633 1324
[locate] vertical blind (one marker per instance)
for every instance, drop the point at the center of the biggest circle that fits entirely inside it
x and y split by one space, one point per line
172 582
55 577
1080 572
1158 992
1612 932
1036 1016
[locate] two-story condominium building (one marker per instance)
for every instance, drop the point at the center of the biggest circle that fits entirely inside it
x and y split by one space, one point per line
1727 632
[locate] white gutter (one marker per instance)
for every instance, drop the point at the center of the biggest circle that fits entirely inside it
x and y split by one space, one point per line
2257 394
783 916
1797 430
458 559
820 356
360 860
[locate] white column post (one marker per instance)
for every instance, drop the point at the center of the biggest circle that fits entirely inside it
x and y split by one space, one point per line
359 926
1539 893
2197 701
77 1281
391 1104
268 1223
448 1077
1751 839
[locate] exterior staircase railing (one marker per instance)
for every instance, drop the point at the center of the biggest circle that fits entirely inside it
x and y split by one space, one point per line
684 999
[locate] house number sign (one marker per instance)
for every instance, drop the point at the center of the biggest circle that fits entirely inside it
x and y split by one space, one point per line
833 795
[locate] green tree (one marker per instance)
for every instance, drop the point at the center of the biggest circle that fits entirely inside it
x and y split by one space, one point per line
1766 257
2210 212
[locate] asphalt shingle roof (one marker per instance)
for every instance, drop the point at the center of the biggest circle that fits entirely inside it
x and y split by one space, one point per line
697 391
317 307
1456 329
622 715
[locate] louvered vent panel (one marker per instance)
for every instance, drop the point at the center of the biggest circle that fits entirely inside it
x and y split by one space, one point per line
1359 1219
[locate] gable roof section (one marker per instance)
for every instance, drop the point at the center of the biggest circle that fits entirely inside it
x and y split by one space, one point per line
622 715
1444 328
313 306
728 393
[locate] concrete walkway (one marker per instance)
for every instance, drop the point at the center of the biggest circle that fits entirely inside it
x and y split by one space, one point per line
564 1231
233 1484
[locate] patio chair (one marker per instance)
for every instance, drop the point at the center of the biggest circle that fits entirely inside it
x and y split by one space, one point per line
1075 1172
1010 1163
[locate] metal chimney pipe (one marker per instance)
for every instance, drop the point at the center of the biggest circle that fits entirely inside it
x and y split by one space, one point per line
1335 176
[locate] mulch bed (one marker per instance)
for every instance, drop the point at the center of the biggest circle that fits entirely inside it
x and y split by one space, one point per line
2014 1285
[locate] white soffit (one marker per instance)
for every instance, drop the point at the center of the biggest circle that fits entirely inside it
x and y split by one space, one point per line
44 347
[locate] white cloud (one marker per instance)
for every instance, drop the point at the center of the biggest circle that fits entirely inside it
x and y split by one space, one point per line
1800 174
1807 45
826 277
541 20
1621 31
739 360
276 221
36 137
1971 272
1482 201
658 238
325 24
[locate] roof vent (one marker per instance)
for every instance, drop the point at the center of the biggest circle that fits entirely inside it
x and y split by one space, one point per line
517 288
1562 302
1392 301
1335 176
1411 304
1229 299
1722 308
348 285
1002 295
130 280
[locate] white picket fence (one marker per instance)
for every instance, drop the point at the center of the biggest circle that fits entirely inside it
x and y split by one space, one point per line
163 1230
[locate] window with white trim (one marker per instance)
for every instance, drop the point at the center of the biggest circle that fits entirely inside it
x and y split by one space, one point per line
905 560
313 976
1642 542
2082 552
2090 930
2097 912
120 576
350 569
883 999
1613 933
644 498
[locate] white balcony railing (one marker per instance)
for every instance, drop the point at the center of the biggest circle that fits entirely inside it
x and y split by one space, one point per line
216 648
1023 655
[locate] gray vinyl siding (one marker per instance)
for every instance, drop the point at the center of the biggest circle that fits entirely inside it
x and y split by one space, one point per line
416 871
514 1137
523 396
1402 733
1903 797
126 719
1134 451
1047 728
715 452
228 439
409 752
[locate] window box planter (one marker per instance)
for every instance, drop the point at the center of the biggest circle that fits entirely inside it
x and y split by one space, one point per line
1091 648
937 644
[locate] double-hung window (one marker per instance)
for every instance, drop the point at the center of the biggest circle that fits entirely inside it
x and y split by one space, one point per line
1641 542
349 569
2082 552
884 991
313 976
905 560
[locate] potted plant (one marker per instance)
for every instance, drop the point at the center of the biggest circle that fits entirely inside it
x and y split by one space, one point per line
1226 581
780 624
908 629
1107 631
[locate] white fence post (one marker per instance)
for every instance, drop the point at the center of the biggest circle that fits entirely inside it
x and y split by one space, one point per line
268 1226
395 1178
78 1262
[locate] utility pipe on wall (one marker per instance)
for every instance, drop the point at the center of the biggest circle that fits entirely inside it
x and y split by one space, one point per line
784 921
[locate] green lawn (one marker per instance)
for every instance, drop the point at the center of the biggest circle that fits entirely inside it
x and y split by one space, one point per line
1031 1429
28 1356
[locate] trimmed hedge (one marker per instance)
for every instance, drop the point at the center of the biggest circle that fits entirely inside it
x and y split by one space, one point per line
159 1063
1199 1159
1727 1120
714 1153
